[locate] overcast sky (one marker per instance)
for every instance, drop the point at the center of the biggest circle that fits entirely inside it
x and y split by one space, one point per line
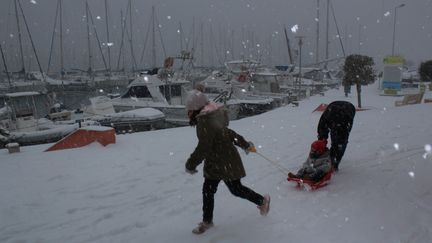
223 28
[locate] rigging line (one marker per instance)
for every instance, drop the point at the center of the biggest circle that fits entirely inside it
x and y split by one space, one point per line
52 37
278 166
122 39
337 28
145 44
97 38
160 36
134 66
31 39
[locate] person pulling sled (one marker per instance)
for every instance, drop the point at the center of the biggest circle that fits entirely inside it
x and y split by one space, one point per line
222 162
337 119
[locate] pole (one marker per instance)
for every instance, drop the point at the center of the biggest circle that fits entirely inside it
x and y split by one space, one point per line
88 39
359 37
288 46
300 43
19 38
153 39
108 36
61 40
134 64
337 29
31 39
5 66
52 37
394 26
122 24
327 31
317 34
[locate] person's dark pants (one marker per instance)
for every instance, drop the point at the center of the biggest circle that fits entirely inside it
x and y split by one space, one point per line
337 150
235 187
339 141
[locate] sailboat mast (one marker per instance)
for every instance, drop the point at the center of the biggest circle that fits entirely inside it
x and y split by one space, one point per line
5 66
337 29
327 32
31 39
122 24
317 33
97 39
108 44
181 36
131 38
62 71
19 38
53 37
88 39
288 46
153 38
202 42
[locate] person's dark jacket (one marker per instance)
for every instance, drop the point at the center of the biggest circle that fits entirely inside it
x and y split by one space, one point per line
216 147
338 120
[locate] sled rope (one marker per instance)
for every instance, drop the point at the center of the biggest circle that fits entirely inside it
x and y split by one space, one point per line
277 165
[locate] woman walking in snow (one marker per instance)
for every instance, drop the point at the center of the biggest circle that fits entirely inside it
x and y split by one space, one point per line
222 161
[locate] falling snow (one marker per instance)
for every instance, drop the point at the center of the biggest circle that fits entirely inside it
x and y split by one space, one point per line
294 28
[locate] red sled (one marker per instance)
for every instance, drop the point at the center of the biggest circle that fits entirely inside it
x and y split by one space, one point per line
313 185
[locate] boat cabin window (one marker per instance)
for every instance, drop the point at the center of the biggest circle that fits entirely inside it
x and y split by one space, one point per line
213 90
138 92
169 91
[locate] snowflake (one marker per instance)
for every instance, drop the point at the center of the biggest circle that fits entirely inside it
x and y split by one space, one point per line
294 28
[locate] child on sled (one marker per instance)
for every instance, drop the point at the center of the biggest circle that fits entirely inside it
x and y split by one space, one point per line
317 165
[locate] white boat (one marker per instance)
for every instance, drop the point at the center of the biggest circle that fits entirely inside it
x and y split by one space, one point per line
148 91
249 104
20 123
102 111
261 81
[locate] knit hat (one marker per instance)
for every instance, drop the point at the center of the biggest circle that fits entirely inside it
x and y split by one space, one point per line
319 146
196 100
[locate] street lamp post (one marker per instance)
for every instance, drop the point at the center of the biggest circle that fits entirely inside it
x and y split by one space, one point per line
394 26
300 43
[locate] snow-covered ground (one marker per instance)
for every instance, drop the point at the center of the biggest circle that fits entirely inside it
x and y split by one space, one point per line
137 191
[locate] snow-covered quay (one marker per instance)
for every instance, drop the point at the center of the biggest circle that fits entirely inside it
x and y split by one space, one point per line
137 191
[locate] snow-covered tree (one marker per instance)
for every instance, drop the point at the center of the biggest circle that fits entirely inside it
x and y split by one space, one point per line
425 71
358 71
